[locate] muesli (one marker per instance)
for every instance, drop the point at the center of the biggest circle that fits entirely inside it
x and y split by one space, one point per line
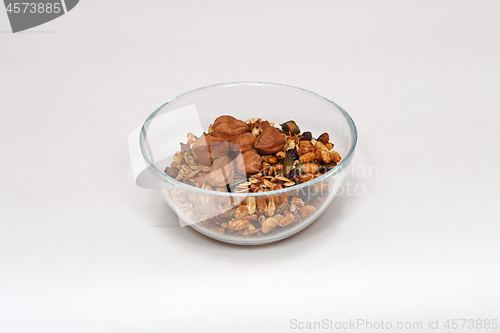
248 157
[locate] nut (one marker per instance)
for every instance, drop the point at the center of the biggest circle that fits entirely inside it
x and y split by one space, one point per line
252 120
207 148
256 129
280 155
250 230
270 141
305 144
307 211
261 206
240 212
222 172
248 163
324 138
244 141
323 152
308 157
269 224
191 138
229 128
250 202
290 144
335 156
310 168
238 224
286 220
271 207
296 204
271 159
305 178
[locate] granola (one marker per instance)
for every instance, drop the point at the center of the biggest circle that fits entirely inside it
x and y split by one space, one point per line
249 157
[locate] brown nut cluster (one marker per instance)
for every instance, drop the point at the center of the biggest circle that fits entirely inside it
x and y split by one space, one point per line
248 157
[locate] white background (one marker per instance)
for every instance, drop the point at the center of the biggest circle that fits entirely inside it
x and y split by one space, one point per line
83 249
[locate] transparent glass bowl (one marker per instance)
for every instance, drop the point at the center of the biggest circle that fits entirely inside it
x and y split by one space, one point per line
205 210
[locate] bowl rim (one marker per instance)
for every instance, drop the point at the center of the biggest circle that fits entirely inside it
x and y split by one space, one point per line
344 162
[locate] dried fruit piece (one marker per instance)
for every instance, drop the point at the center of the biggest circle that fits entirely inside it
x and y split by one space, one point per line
270 141
324 138
290 127
306 136
293 175
294 154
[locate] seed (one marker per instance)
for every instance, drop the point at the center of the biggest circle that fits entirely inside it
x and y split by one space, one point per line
288 162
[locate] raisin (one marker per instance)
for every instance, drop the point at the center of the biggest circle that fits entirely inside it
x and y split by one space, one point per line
306 136
293 153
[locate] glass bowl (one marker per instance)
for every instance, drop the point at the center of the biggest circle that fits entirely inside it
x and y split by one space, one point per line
218 214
